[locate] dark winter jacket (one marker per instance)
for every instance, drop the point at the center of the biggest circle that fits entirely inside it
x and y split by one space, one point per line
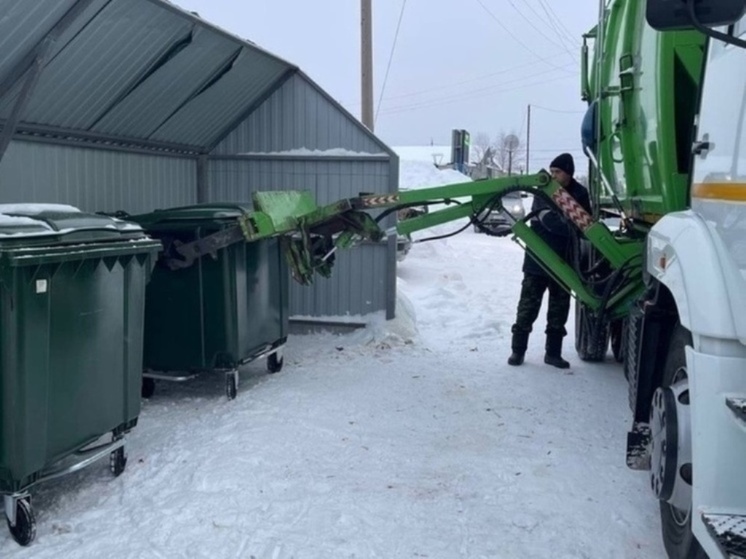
552 227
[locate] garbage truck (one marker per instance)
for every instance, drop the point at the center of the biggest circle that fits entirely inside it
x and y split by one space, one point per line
658 270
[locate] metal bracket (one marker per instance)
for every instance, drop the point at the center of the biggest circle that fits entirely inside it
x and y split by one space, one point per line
190 252
86 458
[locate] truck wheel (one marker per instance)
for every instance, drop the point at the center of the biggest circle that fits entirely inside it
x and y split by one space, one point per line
24 530
590 347
671 468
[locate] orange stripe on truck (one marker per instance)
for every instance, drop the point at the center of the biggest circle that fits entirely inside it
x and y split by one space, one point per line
727 191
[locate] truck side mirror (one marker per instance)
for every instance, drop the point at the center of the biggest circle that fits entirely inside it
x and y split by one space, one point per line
666 15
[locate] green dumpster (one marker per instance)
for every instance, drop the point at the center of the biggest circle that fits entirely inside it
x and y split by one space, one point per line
72 297
219 310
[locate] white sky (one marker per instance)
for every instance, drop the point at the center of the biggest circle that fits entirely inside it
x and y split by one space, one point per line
411 438
455 64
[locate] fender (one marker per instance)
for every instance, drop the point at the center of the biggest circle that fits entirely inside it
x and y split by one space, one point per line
685 256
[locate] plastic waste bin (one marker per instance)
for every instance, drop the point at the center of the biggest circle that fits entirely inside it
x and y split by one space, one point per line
223 308
72 304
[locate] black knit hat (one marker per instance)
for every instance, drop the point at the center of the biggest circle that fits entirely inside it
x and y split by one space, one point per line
565 162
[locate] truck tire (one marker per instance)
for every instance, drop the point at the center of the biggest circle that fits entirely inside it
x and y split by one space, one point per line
676 525
591 346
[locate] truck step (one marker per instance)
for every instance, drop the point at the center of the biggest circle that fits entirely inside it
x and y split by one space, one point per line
738 407
638 439
729 531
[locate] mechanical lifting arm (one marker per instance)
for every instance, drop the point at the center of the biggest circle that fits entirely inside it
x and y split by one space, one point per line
314 233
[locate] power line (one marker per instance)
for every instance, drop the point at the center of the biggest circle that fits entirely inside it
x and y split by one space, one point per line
391 58
495 88
564 38
481 92
554 20
555 110
539 31
466 81
509 32
473 95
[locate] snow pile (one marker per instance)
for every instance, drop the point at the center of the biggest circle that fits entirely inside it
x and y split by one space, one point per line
385 334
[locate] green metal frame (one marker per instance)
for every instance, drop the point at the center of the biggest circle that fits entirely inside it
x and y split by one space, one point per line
346 222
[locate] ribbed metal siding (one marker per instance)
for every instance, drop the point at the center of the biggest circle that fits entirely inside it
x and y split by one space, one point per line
207 116
84 79
23 24
358 283
167 88
136 69
298 116
95 180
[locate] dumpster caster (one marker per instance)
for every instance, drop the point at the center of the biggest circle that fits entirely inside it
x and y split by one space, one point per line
231 384
117 461
23 526
148 387
275 362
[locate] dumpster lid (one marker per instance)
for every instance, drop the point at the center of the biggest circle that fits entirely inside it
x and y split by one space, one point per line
199 212
66 223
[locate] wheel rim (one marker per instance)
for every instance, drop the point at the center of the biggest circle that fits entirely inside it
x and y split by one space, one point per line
671 454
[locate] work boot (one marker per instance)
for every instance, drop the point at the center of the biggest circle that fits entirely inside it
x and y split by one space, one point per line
516 358
556 361
518 344
553 355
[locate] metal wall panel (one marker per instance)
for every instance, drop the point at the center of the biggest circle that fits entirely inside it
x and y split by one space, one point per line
299 115
95 180
359 284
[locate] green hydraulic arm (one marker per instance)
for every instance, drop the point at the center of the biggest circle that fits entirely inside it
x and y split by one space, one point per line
314 233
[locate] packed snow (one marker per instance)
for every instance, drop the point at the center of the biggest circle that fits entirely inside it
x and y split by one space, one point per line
410 438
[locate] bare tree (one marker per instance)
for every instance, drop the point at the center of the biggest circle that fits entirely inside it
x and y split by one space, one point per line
481 146
510 153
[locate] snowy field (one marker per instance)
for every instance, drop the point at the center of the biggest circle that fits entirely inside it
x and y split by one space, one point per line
408 439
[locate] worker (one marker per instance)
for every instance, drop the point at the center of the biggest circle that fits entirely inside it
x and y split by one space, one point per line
550 224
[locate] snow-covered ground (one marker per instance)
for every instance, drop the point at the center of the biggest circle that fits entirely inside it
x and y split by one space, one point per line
409 439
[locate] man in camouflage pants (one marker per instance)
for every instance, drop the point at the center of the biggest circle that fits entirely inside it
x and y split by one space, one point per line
551 226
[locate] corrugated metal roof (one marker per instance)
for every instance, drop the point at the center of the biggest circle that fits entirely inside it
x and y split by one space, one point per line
133 69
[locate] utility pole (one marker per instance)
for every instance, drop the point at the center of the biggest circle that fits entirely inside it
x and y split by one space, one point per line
366 62
528 141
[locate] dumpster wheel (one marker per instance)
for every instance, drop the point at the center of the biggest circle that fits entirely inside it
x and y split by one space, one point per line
117 461
24 529
148 387
231 384
275 361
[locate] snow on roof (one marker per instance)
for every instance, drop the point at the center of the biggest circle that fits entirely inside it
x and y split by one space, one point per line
36 209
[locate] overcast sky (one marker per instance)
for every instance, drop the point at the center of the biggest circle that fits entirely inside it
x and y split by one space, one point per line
471 64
